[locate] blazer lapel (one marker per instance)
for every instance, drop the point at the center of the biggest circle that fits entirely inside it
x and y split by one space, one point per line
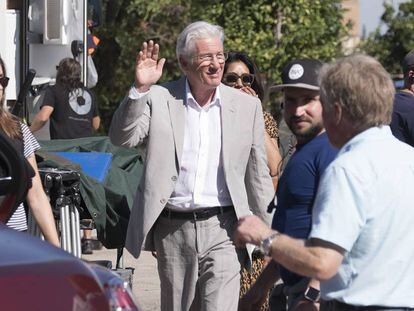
176 106
228 113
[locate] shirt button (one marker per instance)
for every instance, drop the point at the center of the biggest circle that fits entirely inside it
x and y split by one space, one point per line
174 178
163 201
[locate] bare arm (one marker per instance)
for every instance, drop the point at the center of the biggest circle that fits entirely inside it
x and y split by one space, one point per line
96 121
258 292
40 207
315 258
274 159
41 118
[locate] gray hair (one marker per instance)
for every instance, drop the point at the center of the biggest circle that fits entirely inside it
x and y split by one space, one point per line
193 32
361 86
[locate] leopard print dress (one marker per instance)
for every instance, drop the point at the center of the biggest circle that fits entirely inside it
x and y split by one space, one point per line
270 125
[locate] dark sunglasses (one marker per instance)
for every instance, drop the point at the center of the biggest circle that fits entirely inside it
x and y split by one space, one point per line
231 78
4 81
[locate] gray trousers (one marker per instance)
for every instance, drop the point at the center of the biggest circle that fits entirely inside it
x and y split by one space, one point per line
198 264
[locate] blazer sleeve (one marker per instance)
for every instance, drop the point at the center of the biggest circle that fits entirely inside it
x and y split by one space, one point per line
259 186
131 121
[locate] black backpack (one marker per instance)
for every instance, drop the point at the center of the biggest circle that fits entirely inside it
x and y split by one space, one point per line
16 175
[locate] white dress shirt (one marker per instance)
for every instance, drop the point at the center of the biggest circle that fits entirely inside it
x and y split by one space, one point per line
201 181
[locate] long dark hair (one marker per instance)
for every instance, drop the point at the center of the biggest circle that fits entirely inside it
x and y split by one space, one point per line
239 56
8 123
69 74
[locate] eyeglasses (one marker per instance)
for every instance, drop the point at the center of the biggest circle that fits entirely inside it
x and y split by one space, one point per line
220 56
4 81
231 78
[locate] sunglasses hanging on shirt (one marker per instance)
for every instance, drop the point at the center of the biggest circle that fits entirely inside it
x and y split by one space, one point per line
231 78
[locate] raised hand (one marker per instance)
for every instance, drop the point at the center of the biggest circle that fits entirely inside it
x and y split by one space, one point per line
148 69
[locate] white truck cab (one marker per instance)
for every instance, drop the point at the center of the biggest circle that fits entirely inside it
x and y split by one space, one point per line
37 34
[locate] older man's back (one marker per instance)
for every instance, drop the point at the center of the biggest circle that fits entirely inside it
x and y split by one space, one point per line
373 175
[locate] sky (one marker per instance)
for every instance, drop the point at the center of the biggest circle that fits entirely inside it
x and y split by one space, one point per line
370 13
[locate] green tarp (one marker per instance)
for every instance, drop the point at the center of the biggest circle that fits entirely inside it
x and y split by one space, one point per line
109 202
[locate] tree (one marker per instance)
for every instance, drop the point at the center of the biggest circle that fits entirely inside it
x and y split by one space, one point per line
271 32
391 47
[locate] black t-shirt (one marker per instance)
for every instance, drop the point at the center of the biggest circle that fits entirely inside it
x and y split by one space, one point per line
72 112
402 123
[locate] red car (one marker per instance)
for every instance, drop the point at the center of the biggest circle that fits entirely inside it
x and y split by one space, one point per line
35 275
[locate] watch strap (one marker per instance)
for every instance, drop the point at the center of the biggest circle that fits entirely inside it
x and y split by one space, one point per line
266 243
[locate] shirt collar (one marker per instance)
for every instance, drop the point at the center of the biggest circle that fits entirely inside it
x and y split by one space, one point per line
372 132
191 100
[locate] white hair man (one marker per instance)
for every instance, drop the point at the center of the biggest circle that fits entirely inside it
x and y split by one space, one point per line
360 245
205 164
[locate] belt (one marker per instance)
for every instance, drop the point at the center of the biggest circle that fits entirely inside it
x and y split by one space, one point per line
200 214
340 306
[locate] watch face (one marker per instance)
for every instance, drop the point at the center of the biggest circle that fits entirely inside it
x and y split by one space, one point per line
267 243
312 294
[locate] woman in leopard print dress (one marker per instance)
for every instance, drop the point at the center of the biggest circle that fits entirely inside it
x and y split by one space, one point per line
240 72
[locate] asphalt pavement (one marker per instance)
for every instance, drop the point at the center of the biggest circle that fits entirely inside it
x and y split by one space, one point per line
145 281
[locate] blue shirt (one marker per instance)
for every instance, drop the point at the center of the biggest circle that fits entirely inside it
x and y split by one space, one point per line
402 123
365 206
297 190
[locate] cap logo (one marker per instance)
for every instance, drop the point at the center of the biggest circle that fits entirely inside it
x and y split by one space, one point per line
296 72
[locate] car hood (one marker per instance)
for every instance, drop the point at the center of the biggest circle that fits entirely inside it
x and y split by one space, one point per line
20 248
35 275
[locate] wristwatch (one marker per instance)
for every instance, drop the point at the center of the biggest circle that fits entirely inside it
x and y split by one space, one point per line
312 294
267 243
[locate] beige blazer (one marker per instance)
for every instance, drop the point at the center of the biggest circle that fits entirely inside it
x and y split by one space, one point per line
157 120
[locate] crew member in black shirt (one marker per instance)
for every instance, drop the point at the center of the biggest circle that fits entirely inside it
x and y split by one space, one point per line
69 105
72 111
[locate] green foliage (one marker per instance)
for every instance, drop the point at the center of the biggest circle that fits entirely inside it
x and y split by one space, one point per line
391 47
271 32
